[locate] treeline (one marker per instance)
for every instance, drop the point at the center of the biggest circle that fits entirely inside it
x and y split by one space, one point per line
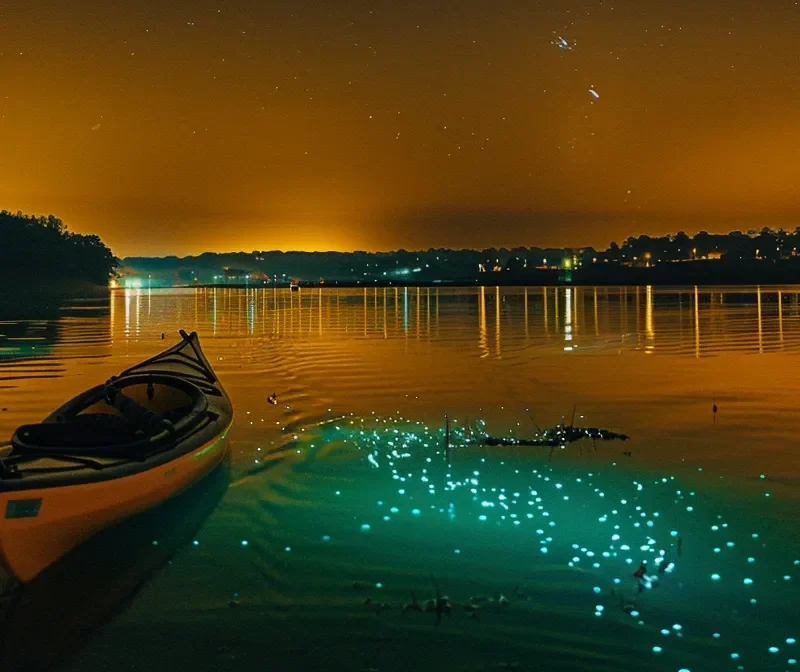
765 243
37 250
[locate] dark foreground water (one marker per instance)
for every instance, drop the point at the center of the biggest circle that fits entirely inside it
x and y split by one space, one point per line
323 542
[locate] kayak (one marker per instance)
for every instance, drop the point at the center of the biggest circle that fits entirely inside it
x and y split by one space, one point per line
113 451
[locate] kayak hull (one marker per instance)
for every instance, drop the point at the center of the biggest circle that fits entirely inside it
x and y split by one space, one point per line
71 514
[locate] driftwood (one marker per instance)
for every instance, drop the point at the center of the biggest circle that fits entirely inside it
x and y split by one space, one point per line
557 436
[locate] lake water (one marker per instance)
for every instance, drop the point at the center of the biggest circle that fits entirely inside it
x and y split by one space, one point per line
339 505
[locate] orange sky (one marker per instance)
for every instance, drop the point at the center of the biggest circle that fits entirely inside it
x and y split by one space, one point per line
378 125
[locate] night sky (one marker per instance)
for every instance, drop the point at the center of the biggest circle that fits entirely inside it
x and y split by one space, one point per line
179 127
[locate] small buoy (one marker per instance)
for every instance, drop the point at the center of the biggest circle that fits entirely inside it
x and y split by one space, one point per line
163 335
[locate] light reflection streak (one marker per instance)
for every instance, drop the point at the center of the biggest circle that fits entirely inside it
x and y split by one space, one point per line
128 311
418 313
112 309
405 309
214 310
696 323
482 336
568 314
544 298
648 319
437 312
526 314
251 311
760 333
497 321
555 310
138 309
428 311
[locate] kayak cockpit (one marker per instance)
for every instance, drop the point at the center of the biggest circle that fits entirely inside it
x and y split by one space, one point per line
130 418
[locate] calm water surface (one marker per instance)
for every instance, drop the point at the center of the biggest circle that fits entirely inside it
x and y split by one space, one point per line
338 506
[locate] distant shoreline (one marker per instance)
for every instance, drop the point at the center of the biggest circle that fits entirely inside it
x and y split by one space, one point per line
689 274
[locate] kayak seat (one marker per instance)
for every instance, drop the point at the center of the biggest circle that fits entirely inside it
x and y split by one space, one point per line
88 434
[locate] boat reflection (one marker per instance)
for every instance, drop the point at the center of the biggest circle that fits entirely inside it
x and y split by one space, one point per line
44 622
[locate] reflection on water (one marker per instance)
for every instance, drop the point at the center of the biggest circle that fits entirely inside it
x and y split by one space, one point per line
324 524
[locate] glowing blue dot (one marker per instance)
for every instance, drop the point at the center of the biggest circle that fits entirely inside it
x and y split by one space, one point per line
338 492
326 537
288 549
751 560
543 549
457 551
748 582
735 656
674 533
195 543
715 577
244 542
599 607
792 661
365 527
596 589
482 517
379 585
415 512
773 649
730 544
677 627
657 649
786 577
716 635
790 640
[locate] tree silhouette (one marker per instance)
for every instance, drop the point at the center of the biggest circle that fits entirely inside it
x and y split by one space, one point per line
42 250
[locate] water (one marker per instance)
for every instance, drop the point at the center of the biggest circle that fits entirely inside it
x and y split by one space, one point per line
303 552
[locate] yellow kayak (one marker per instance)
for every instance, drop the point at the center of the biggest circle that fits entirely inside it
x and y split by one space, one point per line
113 451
